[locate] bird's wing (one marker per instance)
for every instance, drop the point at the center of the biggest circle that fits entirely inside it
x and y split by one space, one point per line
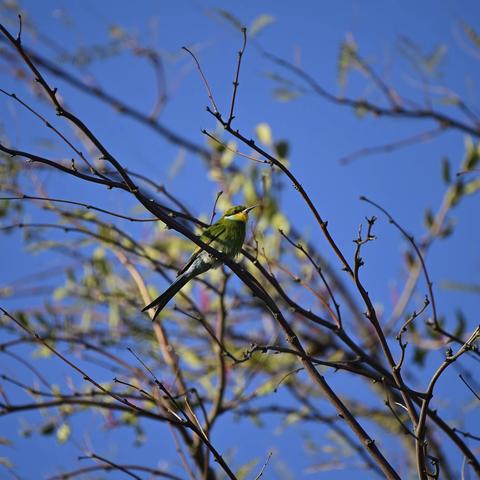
209 236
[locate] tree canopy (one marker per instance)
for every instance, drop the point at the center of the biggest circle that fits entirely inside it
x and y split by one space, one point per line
343 338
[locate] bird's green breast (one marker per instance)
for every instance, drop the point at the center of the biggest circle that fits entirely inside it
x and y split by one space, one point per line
226 236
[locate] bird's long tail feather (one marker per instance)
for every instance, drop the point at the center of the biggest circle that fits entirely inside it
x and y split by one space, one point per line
169 293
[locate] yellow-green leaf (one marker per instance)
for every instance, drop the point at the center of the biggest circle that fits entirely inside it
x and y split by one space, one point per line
228 154
190 357
60 293
6 462
42 352
244 470
5 441
472 187
283 94
116 32
230 18
280 222
63 432
264 134
113 315
268 387
472 154
472 35
447 178
260 23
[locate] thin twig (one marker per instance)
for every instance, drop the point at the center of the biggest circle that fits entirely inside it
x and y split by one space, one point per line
299 246
260 474
85 376
378 110
236 83
112 464
236 152
81 204
396 145
421 425
207 86
468 386
417 251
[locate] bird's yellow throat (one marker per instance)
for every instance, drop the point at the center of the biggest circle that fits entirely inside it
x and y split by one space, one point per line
238 217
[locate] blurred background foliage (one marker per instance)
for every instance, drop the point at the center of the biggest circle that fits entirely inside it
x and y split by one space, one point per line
216 347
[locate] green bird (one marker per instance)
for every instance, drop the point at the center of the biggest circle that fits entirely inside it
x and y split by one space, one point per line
226 235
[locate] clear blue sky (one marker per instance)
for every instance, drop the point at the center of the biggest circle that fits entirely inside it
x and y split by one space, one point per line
406 182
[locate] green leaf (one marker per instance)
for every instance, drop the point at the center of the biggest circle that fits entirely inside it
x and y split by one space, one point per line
347 58
280 222
228 154
215 174
113 315
42 352
11 5
360 109
6 292
116 32
4 207
249 192
6 462
461 324
48 428
244 470
472 154
268 387
447 230
455 193
429 219
129 418
472 35
283 94
293 417
472 187
446 175
4 441
259 24
25 430
282 148
264 134
60 293
410 259
190 357
419 355
230 18
427 63
63 433
176 166
140 437
450 100
66 409
433 61
462 287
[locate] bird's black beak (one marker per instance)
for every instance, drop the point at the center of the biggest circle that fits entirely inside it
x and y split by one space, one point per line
250 208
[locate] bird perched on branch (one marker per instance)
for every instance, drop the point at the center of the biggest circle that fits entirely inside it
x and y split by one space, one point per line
226 235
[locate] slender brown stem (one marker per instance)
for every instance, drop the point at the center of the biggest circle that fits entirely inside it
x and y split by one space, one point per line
421 426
